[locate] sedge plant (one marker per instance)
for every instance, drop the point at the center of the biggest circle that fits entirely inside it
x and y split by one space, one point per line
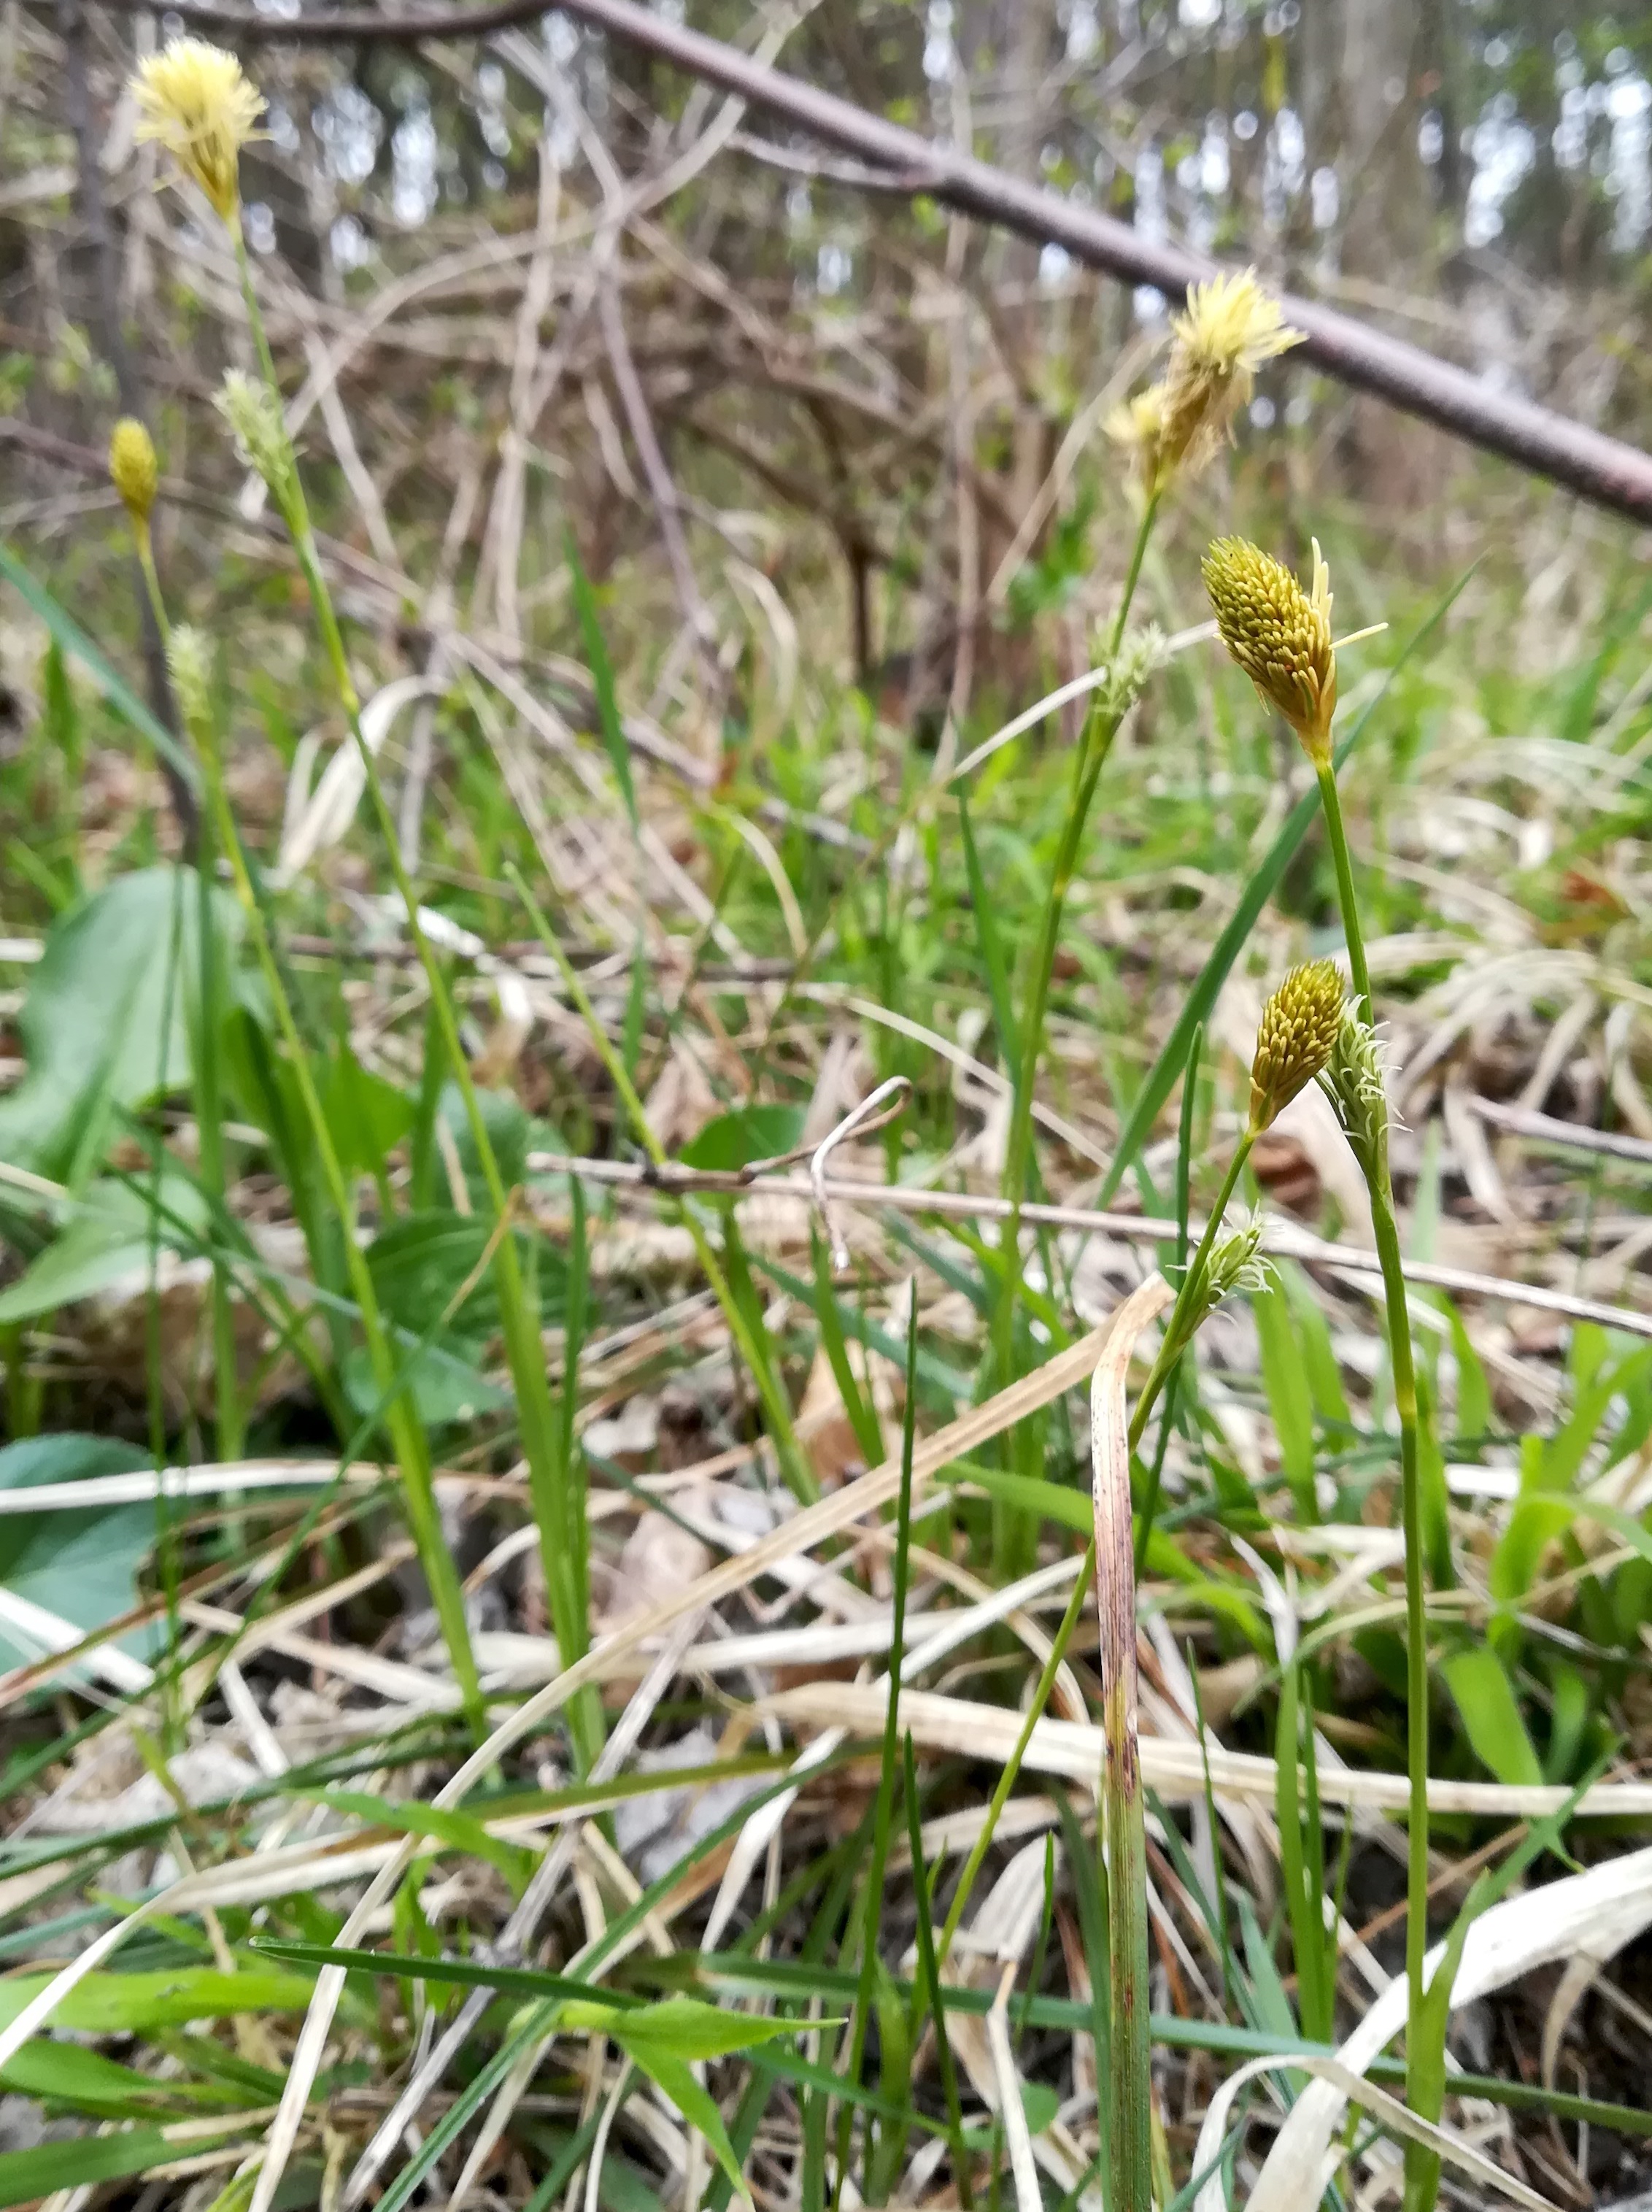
1281 636
1296 1038
1228 329
1301 1028
194 101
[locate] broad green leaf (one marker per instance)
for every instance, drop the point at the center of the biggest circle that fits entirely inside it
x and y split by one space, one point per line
672 2074
511 1133
367 1117
1485 1698
734 1140
420 1264
68 2074
81 1566
109 1239
106 1023
1040 2104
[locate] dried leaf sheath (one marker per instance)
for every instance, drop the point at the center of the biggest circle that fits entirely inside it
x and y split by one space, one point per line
1123 1825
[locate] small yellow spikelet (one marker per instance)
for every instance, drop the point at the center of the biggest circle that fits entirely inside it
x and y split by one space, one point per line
1352 1080
1300 1026
194 100
1278 633
188 663
1231 326
133 469
1138 425
253 414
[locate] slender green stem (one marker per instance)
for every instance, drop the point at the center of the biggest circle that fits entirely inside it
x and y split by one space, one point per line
776 1411
209 1123
1346 899
923 797
555 1486
927 1988
877 1858
209 1103
1386 1234
1100 726
1173 1343
1133 577
1178 1328
1006 1780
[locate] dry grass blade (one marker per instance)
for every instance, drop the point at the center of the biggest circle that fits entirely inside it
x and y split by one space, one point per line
1175 1769
1348 2086
1592 1914
1023 2165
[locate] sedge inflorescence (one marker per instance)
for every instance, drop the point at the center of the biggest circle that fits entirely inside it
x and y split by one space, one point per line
1231 326
1352 1080
188 663
1279 634
253 414
133 469
195 99
1300 1027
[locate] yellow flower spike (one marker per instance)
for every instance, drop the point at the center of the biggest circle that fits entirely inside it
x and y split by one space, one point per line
1300 1027
133 469
194 100
1230 327
1278 633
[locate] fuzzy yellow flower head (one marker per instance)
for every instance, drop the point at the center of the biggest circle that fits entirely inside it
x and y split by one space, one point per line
1301 1025
1231 326
194 100
1278 633
133 469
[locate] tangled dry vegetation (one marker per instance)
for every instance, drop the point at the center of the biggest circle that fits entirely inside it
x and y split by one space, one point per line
559 1227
